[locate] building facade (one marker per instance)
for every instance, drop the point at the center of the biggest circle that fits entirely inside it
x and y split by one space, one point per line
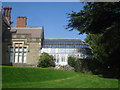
61 49
24 45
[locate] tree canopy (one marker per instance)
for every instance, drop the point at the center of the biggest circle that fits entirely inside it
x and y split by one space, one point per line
95 17
100 21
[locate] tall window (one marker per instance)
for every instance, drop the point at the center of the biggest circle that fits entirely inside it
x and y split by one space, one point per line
16 57
24 58
18 54
20 57
62 59
57 60
11 54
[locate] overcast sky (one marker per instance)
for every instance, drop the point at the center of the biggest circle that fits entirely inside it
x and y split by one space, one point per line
51 15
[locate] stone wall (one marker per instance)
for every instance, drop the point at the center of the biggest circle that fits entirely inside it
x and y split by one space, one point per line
33 53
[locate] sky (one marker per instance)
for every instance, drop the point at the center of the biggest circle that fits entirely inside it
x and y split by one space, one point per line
51 15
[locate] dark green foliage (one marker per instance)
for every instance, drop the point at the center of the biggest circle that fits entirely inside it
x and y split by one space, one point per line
94 66
46 60
80 65
106 52
71 61
101 22
98 48
93 18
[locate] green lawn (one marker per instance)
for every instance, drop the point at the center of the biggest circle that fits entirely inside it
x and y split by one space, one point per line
23 77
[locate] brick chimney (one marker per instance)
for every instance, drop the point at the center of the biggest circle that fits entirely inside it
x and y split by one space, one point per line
7 13
21 21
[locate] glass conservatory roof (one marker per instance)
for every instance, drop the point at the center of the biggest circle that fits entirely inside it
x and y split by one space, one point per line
64 43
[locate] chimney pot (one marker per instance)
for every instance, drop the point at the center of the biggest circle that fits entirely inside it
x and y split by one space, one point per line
7 13
21 21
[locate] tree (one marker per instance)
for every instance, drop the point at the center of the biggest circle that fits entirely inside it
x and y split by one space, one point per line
98 48
95 17
80 65
46 60
100 21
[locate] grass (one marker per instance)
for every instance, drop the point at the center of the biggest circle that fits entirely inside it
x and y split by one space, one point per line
24 77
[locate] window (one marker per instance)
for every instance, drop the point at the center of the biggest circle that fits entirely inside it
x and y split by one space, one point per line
20 49
63 59
57 60
16 49
25 49
20 57
24 58
16 57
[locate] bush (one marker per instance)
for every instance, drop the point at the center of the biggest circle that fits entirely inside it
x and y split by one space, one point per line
80 65
46 60
71 61
95 66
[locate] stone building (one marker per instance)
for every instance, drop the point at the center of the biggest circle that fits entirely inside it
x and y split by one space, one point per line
23 45
26 45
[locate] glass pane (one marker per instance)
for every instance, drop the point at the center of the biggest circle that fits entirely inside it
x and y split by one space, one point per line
62 59
25 49
20 57
20 49
24 58
57 60
16 57
16 49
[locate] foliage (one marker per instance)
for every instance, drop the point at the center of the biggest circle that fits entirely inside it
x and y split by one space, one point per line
106 49
71 61
93 18
102 27
33 77
80 65
46 60
98 49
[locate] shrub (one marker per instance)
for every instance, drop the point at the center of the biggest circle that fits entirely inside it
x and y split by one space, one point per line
71 61
80 65
46 60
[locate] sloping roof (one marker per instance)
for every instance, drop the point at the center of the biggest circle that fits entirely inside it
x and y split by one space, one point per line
35 32
64 39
